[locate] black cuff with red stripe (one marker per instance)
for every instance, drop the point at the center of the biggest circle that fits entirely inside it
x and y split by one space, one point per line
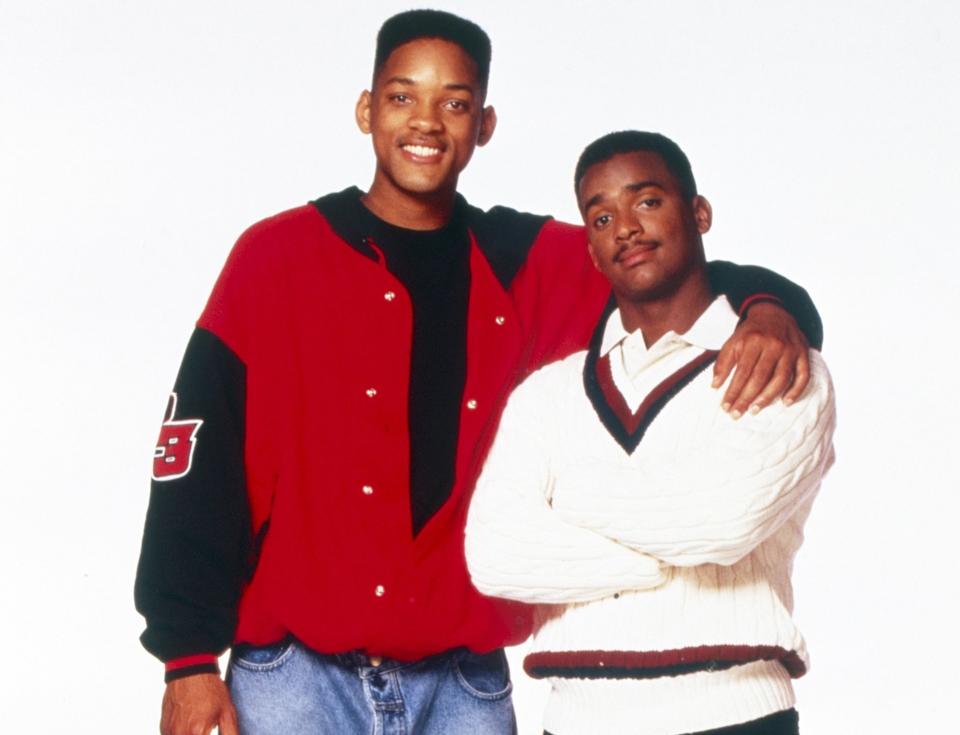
205 663
757 298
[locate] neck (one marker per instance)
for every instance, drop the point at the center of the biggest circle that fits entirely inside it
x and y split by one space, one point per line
676 311
411 211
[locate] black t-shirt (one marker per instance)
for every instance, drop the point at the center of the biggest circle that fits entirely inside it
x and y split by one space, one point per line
434 268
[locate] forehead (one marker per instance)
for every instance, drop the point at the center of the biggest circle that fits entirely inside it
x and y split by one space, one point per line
426 60
624 169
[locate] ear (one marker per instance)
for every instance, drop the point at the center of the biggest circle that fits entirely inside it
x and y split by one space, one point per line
488 123
362 112
593 255
702 214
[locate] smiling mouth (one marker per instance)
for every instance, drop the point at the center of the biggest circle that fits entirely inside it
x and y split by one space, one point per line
422 151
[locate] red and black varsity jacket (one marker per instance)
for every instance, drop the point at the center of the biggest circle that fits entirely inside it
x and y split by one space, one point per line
280 496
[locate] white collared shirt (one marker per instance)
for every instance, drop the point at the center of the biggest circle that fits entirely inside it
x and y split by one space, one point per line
637 369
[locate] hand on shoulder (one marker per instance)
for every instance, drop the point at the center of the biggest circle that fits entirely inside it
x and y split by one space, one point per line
772 359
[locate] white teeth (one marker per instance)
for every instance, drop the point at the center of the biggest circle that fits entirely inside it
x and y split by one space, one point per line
422 150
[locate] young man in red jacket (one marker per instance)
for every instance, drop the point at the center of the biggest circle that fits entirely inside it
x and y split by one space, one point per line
334 406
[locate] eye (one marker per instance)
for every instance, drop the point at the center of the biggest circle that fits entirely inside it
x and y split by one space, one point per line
602 221
458 105
649 203
399 98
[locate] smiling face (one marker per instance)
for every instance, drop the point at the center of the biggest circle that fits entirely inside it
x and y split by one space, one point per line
426 116
644 234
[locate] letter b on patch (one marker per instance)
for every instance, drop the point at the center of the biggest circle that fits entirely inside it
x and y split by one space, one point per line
173 455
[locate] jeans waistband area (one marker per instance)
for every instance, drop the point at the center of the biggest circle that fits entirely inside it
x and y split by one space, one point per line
373 664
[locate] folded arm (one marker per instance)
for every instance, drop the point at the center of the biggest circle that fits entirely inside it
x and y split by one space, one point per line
742 481
518 547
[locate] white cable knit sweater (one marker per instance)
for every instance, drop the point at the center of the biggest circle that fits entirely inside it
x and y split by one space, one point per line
673 561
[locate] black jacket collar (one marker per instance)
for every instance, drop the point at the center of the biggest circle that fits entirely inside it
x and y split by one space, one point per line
503 235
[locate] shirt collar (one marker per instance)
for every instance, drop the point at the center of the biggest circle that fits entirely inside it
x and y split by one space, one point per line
709 332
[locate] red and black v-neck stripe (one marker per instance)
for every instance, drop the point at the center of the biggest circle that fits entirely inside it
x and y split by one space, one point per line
625 426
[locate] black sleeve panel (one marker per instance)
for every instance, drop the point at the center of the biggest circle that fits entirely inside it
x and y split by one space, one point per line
739 282
196 541
505 236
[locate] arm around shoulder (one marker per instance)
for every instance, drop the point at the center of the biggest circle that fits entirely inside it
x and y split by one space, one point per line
744 285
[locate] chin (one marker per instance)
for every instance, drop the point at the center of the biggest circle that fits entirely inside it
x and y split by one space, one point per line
421 187
642 289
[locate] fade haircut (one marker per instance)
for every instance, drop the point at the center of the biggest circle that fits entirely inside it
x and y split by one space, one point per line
414 24
632 141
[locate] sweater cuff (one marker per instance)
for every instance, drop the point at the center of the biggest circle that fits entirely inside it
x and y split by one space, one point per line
178 668
757 298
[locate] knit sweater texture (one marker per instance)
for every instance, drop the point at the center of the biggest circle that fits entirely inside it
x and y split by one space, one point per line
663 572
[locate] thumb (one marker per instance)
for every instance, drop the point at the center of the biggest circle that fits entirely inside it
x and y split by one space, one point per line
228 722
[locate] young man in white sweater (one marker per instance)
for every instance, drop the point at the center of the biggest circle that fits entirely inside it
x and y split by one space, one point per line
656 531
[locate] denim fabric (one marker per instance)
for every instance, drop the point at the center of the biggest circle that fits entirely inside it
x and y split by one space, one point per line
287 689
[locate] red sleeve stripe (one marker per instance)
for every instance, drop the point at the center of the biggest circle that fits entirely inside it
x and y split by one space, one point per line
755 299
198 660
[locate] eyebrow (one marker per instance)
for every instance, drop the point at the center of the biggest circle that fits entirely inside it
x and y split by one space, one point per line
634 186
639 185
460 86
453 86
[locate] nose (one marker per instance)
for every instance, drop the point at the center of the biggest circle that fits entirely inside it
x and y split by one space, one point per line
628 224
426 119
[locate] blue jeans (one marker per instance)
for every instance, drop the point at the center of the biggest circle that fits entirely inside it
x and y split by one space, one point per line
287 689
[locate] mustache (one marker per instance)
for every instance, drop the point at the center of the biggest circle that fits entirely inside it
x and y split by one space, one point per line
629 247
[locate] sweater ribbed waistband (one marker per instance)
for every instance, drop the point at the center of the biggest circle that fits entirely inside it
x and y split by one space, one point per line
668 705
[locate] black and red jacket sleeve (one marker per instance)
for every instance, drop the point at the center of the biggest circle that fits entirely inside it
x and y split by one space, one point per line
197 553
745 285
196 539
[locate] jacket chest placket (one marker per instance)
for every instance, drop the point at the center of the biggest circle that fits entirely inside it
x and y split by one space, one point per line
494 346
375 489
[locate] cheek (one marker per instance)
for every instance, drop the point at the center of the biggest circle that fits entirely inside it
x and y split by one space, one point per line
464 130
385 118
591 251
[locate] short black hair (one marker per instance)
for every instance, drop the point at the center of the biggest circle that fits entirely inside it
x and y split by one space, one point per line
413 24
632 141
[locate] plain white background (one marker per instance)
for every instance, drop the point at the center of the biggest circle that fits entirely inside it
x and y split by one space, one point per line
138 139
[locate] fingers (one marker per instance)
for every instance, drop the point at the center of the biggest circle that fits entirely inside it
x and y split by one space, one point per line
725 362
181 725
753 374
768 356
783 374
801 377
745 364
228 722
194 705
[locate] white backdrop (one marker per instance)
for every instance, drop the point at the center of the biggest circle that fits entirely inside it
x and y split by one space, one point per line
138 139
